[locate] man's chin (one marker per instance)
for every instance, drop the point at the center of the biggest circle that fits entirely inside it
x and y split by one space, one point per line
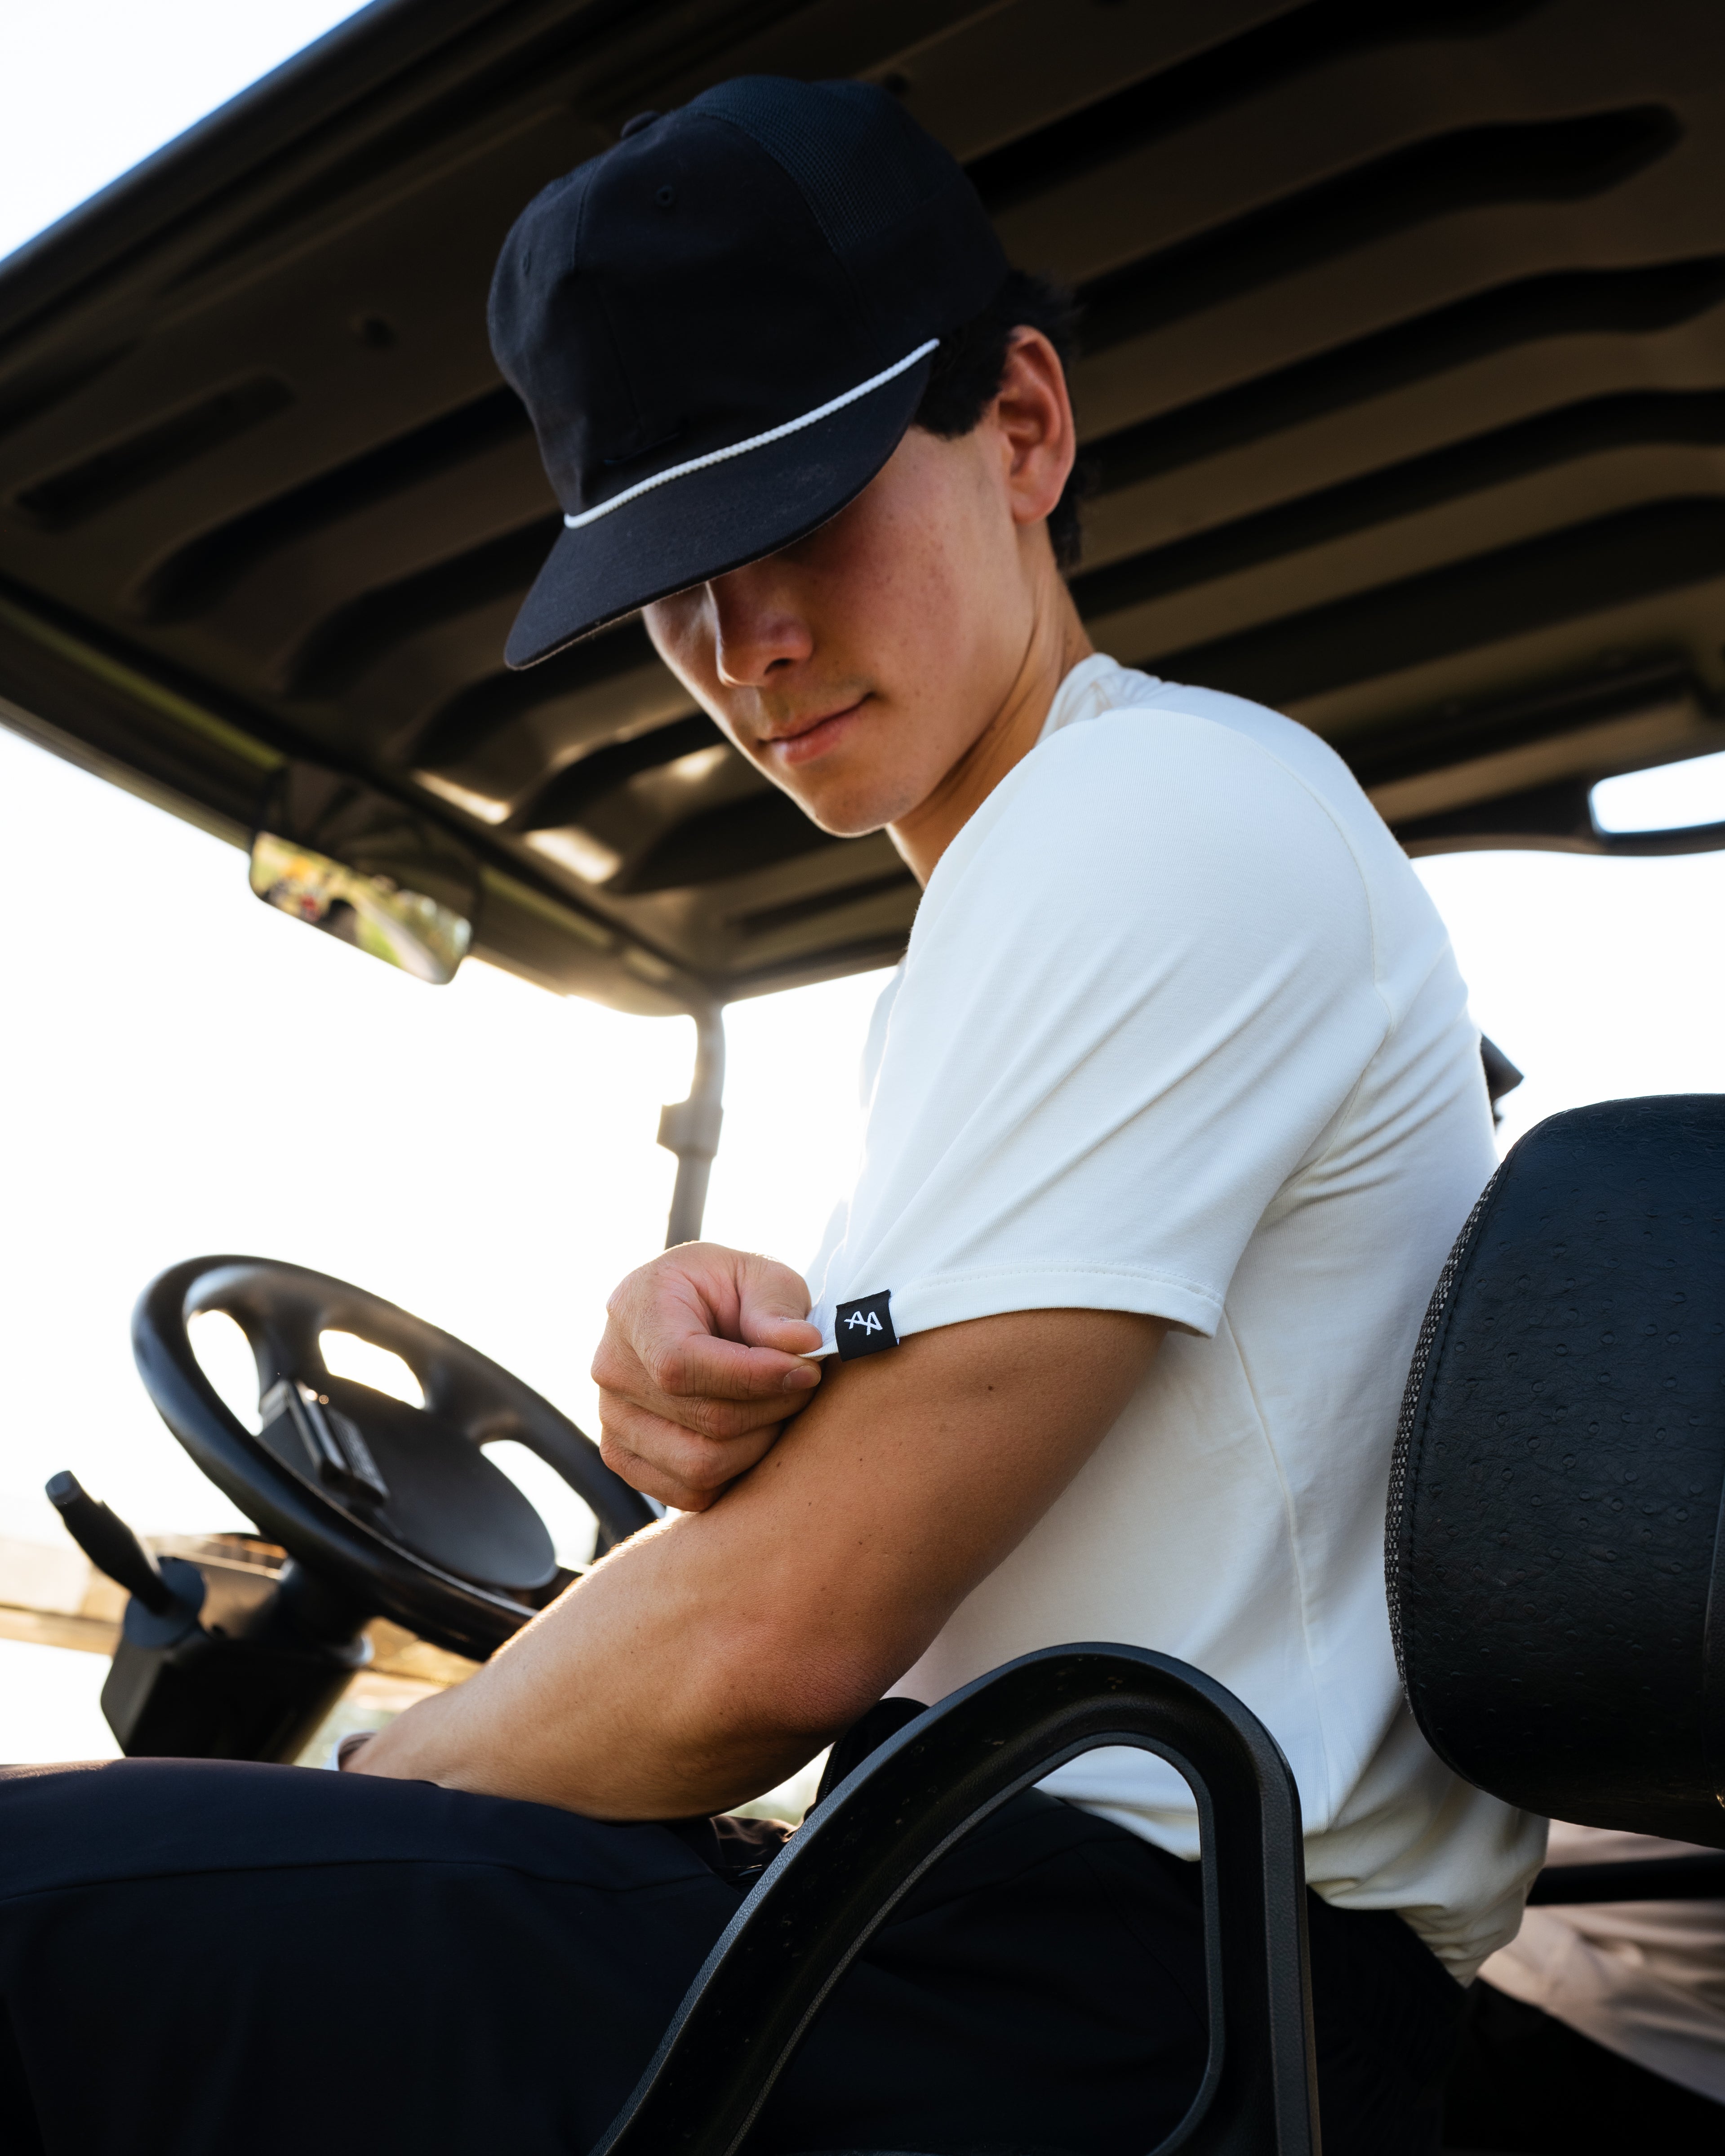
838 826
851 811
842 821
838 815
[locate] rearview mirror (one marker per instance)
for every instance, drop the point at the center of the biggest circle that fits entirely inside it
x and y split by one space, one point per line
361 866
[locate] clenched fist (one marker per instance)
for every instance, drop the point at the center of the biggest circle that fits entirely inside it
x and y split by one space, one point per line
700 1368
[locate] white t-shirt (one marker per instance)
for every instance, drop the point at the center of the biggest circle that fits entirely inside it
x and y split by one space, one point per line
1178 1031
1644 1978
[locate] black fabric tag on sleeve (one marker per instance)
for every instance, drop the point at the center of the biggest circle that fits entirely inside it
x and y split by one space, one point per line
865 1328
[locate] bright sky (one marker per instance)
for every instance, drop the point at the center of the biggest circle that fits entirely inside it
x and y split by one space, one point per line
89 87
185 1070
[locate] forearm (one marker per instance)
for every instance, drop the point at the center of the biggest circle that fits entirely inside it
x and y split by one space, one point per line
663 1684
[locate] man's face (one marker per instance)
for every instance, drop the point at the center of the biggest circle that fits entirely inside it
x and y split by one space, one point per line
858 666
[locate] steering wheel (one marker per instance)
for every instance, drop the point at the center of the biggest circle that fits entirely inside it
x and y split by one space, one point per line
396 1507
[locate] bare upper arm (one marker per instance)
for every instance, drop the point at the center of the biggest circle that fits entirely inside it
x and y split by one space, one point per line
911 1475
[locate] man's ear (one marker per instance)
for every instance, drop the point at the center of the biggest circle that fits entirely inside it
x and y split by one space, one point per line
1033 416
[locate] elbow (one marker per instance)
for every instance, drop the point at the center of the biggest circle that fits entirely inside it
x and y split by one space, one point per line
801 1685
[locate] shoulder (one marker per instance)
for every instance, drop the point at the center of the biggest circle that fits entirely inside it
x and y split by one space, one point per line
1194 731
1184 746
1160 789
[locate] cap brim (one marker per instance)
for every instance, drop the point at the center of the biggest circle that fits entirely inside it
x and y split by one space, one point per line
706 523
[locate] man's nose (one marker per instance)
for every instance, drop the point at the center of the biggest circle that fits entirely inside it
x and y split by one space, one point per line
757 633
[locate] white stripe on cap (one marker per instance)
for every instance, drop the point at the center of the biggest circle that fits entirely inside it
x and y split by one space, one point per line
754 441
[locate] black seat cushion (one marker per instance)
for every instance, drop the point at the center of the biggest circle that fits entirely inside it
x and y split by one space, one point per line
1554 1531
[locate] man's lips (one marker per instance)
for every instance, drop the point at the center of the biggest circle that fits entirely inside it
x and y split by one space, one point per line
805 739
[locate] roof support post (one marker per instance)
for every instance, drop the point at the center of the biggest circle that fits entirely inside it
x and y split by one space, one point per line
691 1128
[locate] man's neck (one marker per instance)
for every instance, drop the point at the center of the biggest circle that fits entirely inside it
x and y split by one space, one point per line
1055 645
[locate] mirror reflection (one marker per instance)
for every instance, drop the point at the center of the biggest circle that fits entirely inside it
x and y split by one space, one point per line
359 866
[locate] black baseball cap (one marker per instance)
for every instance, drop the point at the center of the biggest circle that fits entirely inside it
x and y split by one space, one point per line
721 328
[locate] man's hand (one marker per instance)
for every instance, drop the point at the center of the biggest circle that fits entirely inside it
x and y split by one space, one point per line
700 1368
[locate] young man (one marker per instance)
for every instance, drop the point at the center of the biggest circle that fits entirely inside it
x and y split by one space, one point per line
1174 1112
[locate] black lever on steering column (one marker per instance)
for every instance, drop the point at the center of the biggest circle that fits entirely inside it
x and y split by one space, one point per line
256 1687
110 1545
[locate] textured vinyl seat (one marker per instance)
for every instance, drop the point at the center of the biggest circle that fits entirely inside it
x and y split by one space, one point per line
1555 1562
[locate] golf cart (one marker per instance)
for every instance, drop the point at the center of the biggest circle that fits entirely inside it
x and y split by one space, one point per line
1404 379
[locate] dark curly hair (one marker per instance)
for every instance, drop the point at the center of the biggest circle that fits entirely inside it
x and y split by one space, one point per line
970 365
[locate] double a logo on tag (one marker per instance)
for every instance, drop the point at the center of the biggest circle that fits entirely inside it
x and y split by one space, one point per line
865 1328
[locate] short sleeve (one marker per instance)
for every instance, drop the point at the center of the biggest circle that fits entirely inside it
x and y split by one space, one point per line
1140 989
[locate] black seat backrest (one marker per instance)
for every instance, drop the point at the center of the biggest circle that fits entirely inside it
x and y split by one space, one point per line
1556 1568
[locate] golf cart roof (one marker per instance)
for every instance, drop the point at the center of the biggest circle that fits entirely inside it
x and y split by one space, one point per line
1403 385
